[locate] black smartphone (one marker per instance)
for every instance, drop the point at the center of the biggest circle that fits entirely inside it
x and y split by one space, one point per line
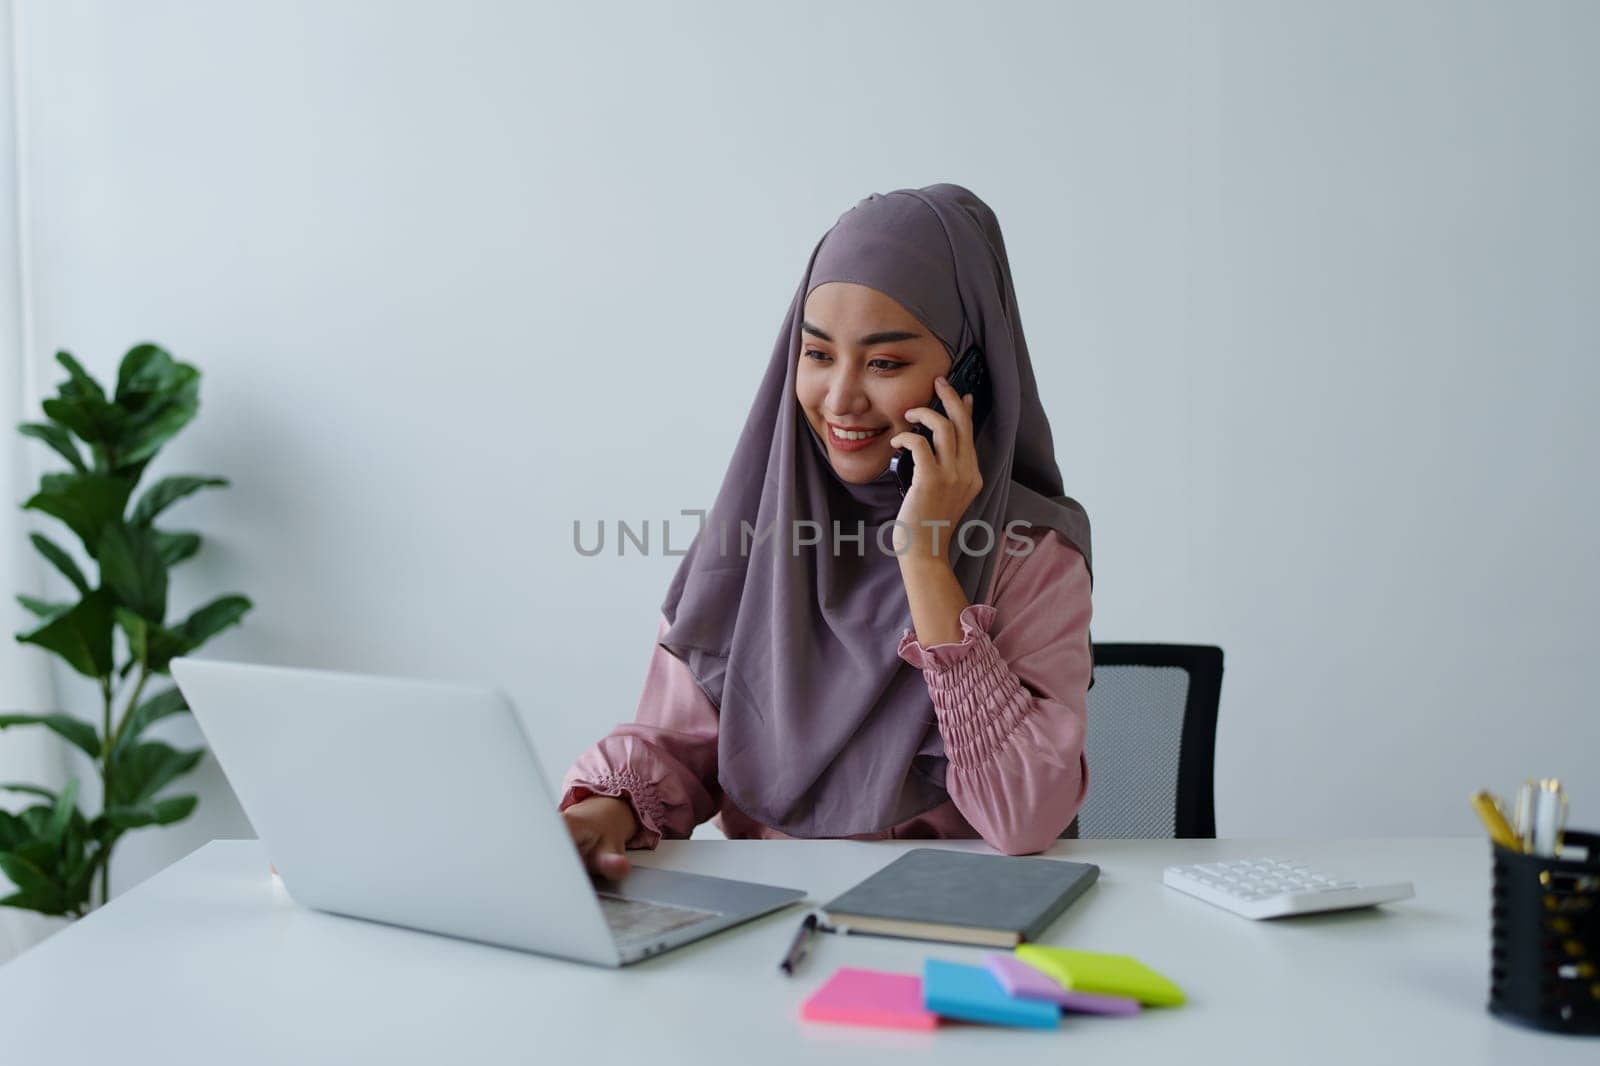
970 374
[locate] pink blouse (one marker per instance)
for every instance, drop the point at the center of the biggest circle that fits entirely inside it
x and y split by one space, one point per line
1009 700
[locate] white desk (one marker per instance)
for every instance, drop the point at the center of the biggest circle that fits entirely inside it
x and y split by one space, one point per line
208 963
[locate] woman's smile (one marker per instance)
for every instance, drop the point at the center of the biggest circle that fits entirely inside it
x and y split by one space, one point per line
854 438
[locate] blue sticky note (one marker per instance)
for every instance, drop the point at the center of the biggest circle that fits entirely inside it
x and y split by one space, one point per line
971 994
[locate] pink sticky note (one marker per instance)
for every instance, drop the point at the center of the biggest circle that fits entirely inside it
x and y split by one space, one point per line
870 997
1024 982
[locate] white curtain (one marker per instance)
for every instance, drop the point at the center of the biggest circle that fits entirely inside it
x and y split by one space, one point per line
29 754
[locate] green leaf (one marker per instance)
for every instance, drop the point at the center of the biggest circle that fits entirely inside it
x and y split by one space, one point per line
36 849
137 631
12 831
41 608
161 812
82 383
80 864
148 371
85 502
152 646
166 413
139 772
61 560
32 883
132 567
161 705
81 636
76 867
161 429
32 790
155 646
23 901
168 491
81 734
213 618
58 439
174 548
96 421
175 808
66 806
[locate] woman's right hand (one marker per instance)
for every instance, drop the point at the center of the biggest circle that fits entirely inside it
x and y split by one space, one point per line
601 827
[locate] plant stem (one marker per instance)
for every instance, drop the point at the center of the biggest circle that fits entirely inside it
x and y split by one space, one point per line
105 781
113 737
127 712
102 855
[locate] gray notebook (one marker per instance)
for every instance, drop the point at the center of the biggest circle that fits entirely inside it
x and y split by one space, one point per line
993 900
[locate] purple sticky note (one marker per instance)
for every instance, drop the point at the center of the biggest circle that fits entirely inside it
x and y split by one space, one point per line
1024 982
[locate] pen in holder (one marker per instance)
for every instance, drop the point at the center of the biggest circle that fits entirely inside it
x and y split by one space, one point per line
1544 962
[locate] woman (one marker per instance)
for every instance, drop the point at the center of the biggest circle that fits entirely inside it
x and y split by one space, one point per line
833 659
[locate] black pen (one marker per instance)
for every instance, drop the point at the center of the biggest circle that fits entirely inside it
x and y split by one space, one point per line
797 949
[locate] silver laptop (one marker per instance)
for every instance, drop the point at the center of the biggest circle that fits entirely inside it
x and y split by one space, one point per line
423 805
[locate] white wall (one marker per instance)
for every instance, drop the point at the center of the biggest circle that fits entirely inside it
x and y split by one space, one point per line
26 754
1309 287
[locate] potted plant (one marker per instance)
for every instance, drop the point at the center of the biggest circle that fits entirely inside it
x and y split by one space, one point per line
52 852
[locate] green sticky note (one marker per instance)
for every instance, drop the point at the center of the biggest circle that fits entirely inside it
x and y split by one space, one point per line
1108 975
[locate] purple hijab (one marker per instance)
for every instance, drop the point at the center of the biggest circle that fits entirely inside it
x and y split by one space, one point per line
824 731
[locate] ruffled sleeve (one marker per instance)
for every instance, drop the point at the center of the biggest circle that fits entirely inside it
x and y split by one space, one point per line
664 762
1010 698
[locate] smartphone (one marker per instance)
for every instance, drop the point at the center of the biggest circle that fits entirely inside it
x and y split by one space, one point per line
970 374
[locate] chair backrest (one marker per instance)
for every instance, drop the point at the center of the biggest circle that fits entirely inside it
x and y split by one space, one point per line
1152 741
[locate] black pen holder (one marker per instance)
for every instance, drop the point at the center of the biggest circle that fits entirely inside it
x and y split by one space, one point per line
1544 958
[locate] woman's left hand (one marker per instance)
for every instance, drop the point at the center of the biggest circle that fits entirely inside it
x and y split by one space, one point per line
946 479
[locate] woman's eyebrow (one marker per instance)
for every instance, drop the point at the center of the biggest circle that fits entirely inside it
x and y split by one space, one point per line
886 337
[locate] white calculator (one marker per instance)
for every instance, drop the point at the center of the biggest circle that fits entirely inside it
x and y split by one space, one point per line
1271 888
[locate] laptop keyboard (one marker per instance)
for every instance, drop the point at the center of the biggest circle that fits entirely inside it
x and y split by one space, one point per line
633 920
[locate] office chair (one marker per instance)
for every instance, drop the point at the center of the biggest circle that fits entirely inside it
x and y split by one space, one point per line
1152 741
